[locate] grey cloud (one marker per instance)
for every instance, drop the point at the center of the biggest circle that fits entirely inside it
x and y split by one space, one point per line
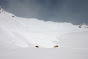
74 11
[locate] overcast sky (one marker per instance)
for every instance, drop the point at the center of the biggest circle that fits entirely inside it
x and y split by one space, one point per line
74 11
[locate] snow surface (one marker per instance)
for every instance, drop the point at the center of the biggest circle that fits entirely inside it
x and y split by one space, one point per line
77 40
23 32
18 35
27 53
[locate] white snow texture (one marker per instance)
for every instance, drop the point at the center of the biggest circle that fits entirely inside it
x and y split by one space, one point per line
18 35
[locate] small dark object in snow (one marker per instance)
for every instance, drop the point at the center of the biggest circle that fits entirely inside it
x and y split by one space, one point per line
79 26
37 46
13 16
56 46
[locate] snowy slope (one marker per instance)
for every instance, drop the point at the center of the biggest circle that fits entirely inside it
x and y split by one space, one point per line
77 40
23 32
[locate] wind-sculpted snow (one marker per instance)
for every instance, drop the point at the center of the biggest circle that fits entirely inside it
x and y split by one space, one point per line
31 32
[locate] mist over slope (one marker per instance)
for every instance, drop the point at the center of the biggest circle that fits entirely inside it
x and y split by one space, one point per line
22 32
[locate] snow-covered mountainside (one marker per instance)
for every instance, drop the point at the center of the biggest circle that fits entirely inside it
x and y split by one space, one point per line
23 32
78 40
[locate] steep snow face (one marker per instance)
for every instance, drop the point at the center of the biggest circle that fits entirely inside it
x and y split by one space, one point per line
32 32
7 39
9 28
